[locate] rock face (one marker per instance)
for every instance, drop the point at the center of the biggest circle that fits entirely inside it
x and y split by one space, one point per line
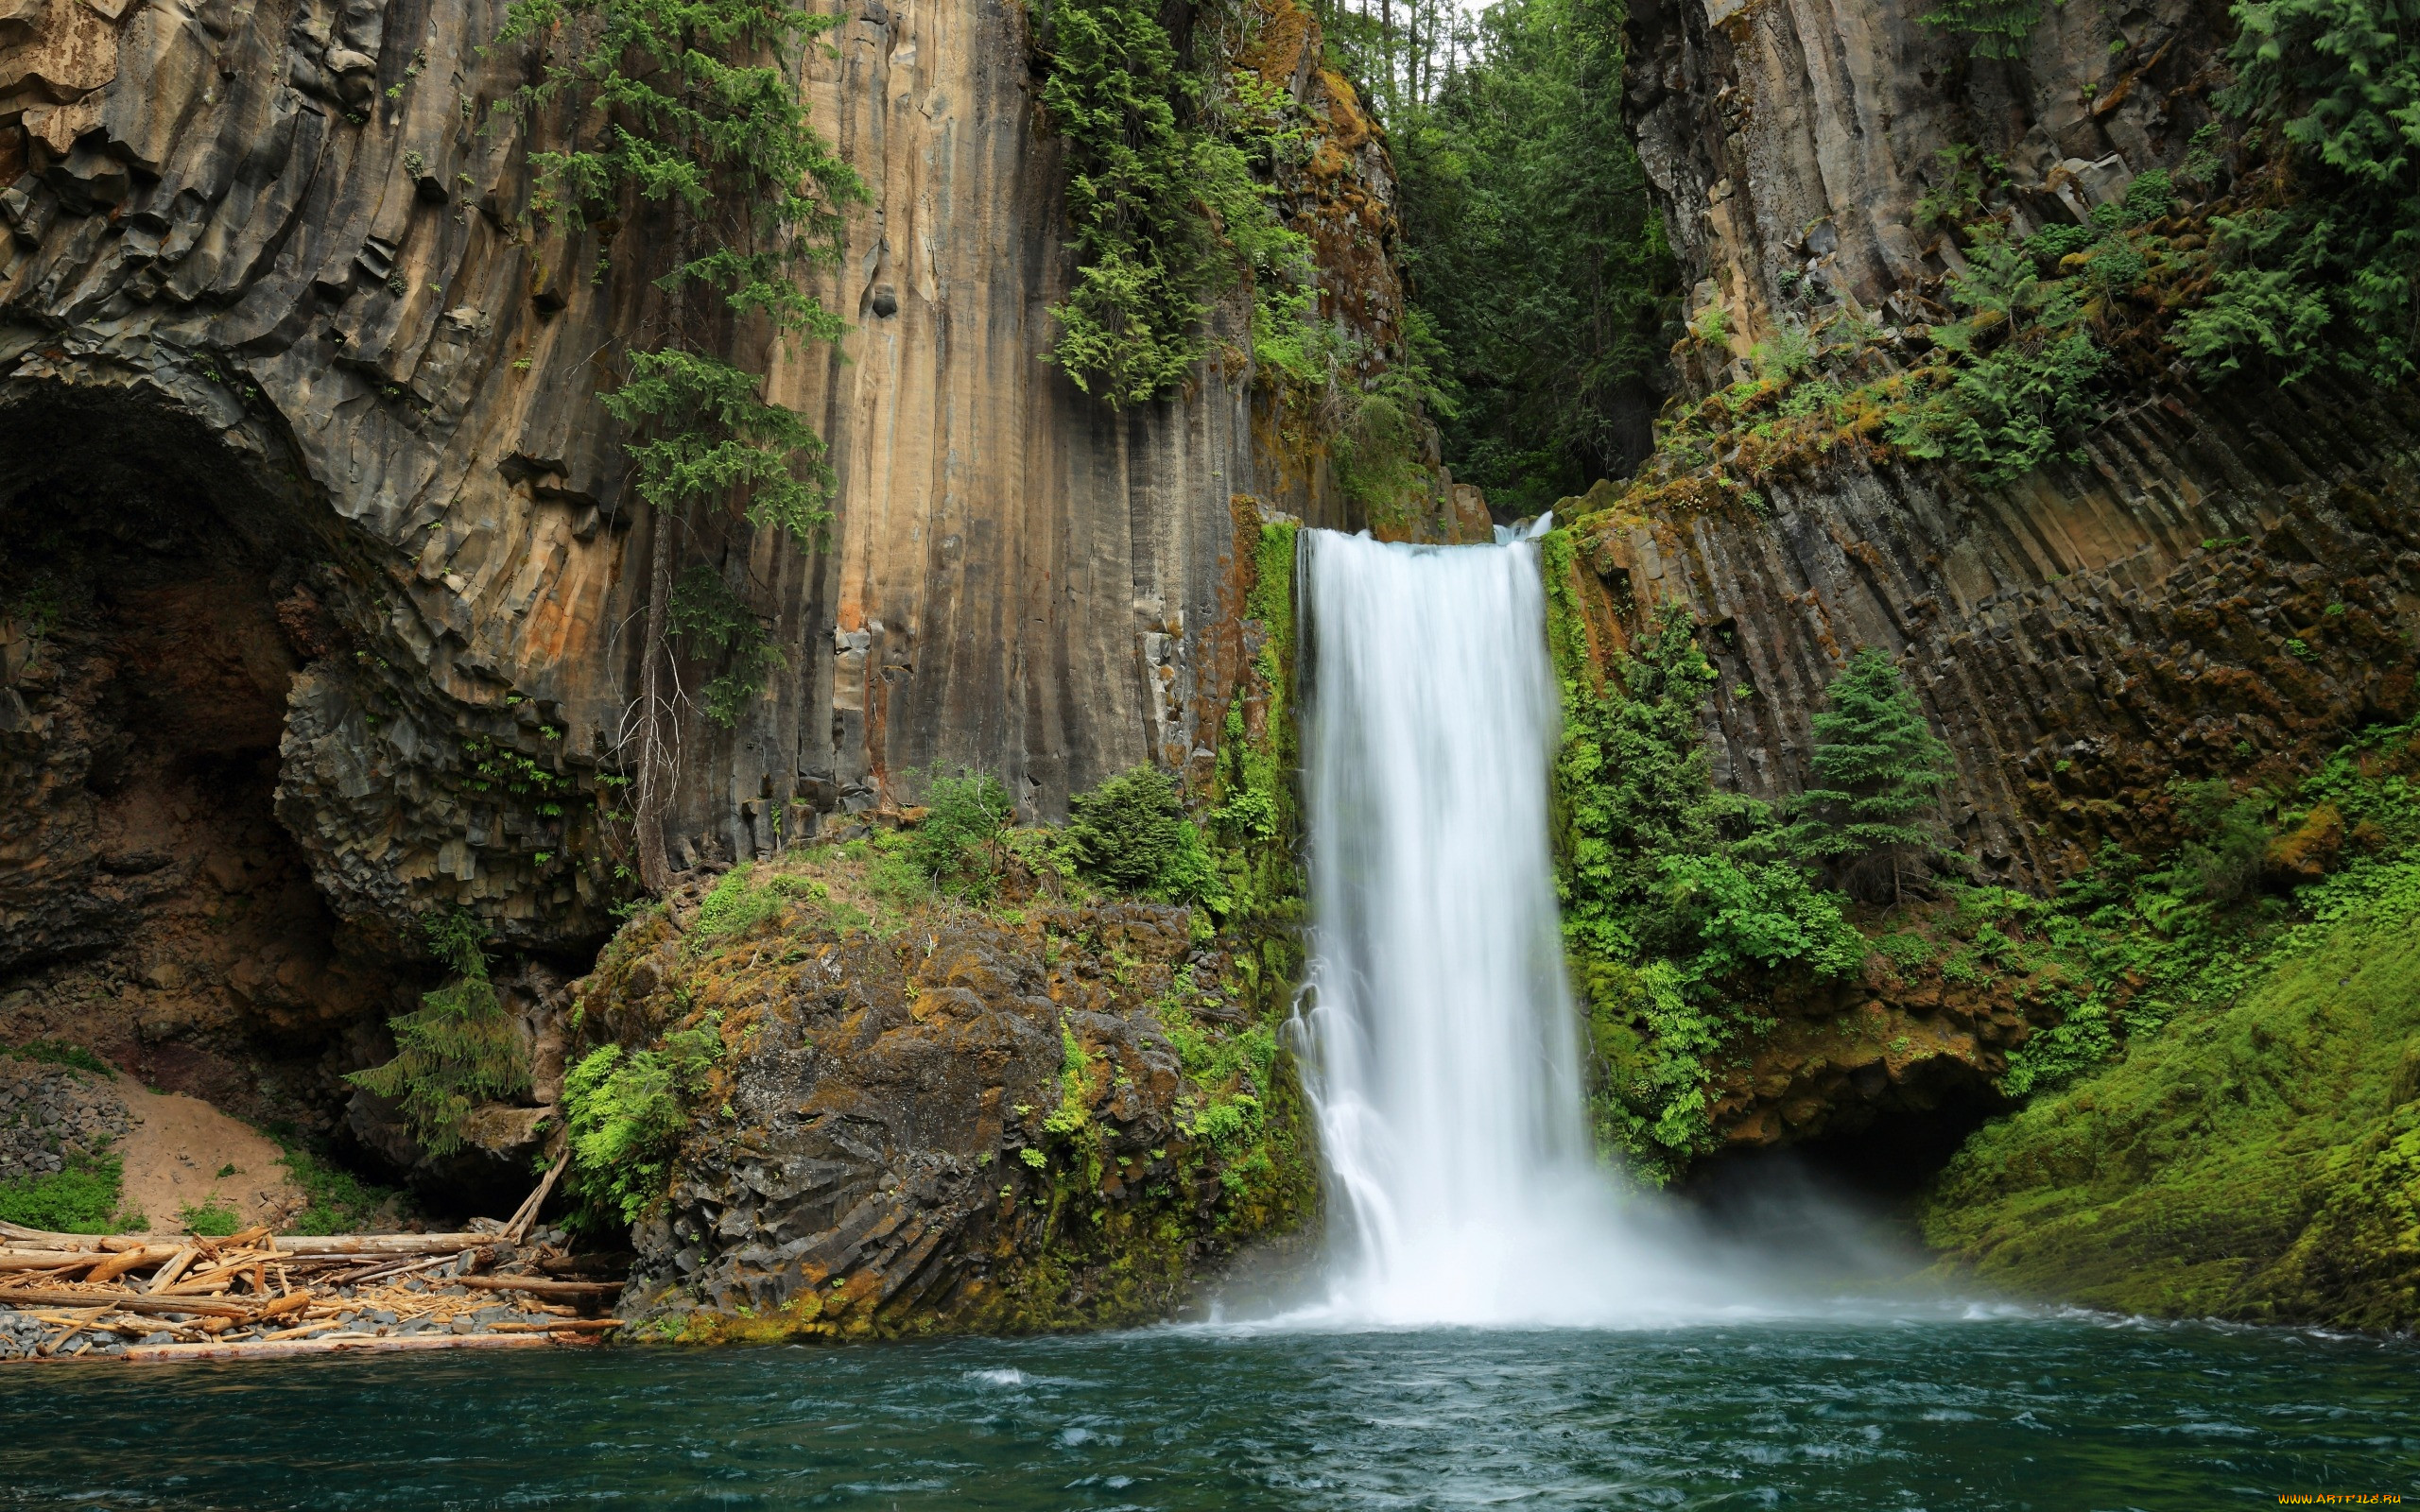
51 1114
2217 580
285 265
950 1122
2220 574
1791 142
297 402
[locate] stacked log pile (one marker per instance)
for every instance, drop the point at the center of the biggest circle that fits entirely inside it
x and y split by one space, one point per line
255 1295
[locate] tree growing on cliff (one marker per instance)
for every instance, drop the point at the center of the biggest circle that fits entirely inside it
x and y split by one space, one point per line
689 108
1879 768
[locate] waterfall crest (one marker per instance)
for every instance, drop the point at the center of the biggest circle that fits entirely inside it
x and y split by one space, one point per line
1441 1040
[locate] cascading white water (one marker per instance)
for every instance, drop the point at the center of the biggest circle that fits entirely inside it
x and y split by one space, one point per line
1442 1050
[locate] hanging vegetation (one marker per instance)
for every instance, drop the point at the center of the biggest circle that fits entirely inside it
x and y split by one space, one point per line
688 108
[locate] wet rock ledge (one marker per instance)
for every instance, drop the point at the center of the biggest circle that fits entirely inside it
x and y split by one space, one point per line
1053 1112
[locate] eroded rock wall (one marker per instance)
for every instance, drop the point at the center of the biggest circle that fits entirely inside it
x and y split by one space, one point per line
1790 141
2220 577
306 229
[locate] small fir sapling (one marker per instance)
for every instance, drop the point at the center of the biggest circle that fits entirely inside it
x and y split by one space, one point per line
458 1049
1879 770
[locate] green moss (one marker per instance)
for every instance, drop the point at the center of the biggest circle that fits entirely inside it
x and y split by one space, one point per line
2253 1160
1256 822
337 1201
60 1053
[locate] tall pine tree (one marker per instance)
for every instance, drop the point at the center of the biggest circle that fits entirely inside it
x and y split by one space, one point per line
1878 769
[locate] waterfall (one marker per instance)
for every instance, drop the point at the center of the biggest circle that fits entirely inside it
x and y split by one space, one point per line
1441 1042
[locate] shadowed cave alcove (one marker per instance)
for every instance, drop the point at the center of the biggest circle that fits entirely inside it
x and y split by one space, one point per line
156 600
1869 1160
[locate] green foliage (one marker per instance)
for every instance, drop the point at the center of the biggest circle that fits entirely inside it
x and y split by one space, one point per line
458 1049
82 1198
690 105
2231 837
745 897
1256 815
214 1219
1536 251
1878 771
1127 328
1995 28
60 1053
1674 898
2249 1161
2148 943
2331 275
2021 367
1131 834
336 1201
708 432
718 622
1166 209
626 1111
961 845
1957 193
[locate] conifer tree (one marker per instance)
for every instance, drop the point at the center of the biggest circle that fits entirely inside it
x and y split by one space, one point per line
458 1049
689 108
1878 769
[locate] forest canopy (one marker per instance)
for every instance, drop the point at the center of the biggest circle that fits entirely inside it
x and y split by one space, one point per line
1533 248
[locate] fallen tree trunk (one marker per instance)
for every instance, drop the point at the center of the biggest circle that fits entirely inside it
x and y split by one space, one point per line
22 1239
279 1347
125 1301
569 1291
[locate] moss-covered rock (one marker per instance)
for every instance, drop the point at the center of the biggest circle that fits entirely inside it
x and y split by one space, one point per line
899 1115
2260 1161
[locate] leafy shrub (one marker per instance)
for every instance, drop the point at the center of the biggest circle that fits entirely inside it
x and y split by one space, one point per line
2021 367
214 1219
80 1199
1131 834
1993 28
961 845
2329 273
2232 835
458 1049
625 1111
1675 898
1165 215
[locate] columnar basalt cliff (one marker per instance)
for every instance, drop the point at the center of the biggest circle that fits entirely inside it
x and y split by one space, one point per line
2120 617
2211 579
291 380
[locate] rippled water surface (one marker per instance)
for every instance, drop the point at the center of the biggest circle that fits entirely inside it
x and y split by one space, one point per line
2061 1412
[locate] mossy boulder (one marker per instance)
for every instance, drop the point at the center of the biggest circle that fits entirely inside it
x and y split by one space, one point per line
2259 1162
926 1117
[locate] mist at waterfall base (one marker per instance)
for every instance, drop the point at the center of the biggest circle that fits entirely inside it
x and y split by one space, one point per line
1439 1038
